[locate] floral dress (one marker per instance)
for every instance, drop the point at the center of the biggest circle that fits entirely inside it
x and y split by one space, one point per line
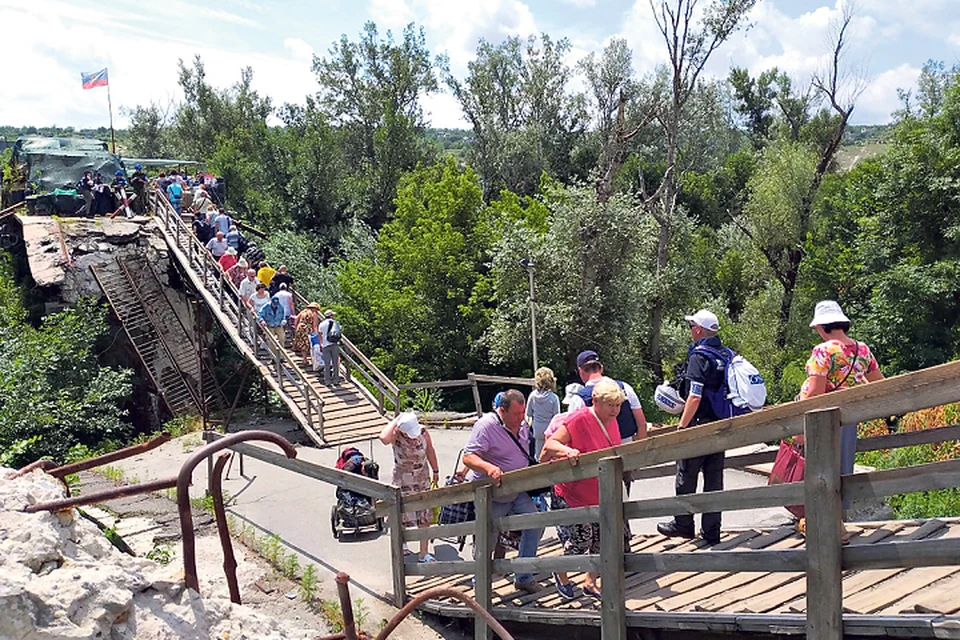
832 360
412 473
306 324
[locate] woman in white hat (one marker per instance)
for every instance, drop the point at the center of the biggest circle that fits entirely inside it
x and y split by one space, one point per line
412 452
839 362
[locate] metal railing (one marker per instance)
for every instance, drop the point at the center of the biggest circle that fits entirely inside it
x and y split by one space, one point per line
239 321
821 491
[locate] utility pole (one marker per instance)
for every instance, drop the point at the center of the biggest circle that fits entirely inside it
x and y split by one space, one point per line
527 264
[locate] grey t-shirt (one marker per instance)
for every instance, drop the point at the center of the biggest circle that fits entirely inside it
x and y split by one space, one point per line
541 407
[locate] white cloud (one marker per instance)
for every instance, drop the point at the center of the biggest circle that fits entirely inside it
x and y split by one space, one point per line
141 58
880 98
582 3
391 14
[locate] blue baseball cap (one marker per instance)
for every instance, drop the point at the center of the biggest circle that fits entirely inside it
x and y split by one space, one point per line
586 357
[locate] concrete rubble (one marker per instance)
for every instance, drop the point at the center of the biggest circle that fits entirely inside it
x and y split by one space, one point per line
61 578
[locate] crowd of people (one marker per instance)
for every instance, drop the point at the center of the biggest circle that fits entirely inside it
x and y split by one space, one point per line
601 413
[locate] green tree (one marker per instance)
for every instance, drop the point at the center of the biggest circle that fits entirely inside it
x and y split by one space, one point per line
53 393
371 90
420 303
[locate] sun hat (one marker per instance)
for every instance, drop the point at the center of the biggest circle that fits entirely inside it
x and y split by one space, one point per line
409 425
570 391
329 313
314 306
231 251
704 319
828 312
587 357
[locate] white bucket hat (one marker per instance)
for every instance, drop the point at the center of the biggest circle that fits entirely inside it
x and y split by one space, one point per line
828 312
409 425
570 391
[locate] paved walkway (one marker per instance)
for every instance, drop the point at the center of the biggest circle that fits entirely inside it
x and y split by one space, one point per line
296 508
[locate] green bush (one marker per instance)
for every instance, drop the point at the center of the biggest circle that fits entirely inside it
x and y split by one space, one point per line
53 392
925 504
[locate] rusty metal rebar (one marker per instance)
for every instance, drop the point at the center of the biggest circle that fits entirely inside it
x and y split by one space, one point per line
44 464
229 559
346 606
183 491
101 496
113 456
444 592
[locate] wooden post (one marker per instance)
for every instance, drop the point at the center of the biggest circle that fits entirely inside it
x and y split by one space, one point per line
824 525
483 558
396 551
613 617
476 394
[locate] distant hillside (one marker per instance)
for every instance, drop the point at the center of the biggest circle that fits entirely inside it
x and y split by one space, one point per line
862 134
456 142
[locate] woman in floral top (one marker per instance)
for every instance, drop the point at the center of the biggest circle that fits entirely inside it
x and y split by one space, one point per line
838 362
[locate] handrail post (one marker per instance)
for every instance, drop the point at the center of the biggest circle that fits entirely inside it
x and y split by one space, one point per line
613 617
222 287
483 557
823 505
476 394
396 550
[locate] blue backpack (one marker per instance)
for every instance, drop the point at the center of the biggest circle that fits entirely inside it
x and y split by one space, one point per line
743 389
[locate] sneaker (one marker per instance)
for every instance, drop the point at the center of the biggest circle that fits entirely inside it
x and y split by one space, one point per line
672 530
567 591
530 586
587 591
427 558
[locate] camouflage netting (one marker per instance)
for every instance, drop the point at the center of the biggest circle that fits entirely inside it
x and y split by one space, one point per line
58 163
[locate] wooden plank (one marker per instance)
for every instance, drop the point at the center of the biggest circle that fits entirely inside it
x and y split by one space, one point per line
396 551
910 438
612 613
442 384
480 377
351 481
888 482
483 556
729 500
784 560
922 553
892 396
941 597
891 589
821 484
479 408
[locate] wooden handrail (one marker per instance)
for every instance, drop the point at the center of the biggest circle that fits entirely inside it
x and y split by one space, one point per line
241 312
893 396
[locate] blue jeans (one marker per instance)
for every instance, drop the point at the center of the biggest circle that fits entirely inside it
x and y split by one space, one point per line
529 538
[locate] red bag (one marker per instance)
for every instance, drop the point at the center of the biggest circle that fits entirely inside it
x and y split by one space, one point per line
788 467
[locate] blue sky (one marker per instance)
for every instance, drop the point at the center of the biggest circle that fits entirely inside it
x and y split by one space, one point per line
54 40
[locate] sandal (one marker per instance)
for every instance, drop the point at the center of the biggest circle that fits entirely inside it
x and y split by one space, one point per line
427 558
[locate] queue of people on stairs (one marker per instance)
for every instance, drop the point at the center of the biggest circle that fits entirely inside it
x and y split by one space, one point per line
604 413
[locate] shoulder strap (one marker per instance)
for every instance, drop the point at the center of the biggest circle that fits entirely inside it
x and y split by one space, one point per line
606 434
525 452
853 365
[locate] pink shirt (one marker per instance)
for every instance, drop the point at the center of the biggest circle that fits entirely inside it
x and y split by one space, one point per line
586 435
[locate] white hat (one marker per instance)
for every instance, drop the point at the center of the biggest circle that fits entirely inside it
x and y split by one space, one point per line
668 399
570 391
705 319
409 425
828 312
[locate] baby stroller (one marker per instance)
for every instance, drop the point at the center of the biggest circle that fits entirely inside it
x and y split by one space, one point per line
353 511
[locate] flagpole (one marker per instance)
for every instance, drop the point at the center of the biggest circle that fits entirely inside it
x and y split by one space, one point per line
113 140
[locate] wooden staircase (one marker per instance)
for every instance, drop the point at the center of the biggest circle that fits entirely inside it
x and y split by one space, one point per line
167 352
330 416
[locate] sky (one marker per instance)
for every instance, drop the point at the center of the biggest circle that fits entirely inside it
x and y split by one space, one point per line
50 42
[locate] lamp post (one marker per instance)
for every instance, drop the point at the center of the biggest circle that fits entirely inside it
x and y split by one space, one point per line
527 264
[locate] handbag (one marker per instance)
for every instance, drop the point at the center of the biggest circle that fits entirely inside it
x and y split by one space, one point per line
461 511
788 467
540 492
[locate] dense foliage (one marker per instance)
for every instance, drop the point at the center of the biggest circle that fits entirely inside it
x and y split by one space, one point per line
53 393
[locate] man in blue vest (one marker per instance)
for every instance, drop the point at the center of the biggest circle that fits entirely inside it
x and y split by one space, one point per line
705 375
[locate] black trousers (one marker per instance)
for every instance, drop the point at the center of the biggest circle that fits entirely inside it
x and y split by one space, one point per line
687 472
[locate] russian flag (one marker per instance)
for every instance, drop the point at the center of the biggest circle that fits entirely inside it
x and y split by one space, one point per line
95 79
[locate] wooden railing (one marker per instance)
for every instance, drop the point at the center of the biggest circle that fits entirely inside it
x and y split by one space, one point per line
238 320
379 389
473 380
822 491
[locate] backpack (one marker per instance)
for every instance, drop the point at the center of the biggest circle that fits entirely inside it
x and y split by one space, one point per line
345 456
626 423
743 389
334 331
